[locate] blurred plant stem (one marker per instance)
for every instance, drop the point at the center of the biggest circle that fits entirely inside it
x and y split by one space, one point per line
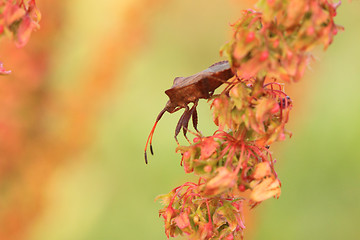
40 128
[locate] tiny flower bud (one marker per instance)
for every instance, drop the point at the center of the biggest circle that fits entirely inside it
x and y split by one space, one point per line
334 31
264 55
276 43
196 139
234 92
310 31
242 188
186 155
207 168
282 137
216 102
250 37
244 164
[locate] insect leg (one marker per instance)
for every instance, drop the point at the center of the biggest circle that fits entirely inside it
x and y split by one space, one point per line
185 122
180 124
195 116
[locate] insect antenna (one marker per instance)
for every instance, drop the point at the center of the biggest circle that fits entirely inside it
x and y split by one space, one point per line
149 140
185 123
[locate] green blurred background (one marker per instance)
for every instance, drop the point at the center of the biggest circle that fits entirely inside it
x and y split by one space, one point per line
104 190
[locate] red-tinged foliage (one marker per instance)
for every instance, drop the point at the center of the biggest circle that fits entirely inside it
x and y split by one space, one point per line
268 49
18 19
189 212
262 170
222 181
282 45
257 111
230 174
264 189
183 222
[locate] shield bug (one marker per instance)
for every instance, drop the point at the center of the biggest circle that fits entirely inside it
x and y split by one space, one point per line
190 89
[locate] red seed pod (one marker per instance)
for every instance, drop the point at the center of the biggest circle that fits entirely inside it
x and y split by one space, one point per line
250 37
310 31
242 188
264 55
208 168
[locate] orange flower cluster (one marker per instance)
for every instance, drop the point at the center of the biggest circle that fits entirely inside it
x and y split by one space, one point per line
262 110
228 165
275 42
268 49
190 211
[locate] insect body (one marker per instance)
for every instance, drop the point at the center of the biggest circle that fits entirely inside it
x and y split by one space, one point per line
190 89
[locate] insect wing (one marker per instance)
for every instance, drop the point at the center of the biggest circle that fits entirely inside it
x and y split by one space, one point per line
184 95
218 67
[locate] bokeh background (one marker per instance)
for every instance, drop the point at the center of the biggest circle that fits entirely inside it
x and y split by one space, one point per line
85 92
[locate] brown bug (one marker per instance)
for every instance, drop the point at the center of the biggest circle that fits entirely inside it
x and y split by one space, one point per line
190 89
